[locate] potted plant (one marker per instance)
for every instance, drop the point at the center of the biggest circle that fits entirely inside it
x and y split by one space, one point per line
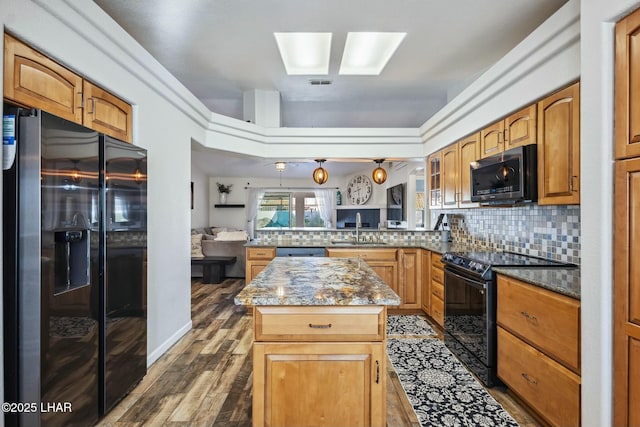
224 190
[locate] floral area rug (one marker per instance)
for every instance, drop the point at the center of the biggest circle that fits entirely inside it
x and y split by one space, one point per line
409 325
440 389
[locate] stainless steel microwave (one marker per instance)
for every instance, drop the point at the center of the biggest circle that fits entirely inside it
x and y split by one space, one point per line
506 178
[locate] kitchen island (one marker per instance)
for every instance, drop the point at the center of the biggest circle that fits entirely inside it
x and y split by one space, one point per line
319 354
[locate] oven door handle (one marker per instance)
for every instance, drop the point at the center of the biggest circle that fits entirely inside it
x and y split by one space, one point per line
469 281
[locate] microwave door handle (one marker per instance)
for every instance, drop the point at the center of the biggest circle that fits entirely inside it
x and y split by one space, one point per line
472 282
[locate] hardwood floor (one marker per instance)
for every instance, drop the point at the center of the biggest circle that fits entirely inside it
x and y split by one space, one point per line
205 378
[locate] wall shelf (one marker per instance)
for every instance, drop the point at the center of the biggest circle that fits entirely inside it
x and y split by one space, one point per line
228 206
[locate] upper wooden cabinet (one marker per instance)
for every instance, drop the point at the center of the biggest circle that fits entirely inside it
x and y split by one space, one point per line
454 173
627 87
106 113
468 152
33 80
515 130
434 163
492 139
559 147
520 128
450 176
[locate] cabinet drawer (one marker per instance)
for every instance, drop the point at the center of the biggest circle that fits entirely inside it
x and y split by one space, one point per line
548 387
437 309
437 289
368 254
545 319
436 260
437 275
261 253
364 323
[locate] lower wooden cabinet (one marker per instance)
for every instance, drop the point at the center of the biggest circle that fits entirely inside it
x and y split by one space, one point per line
552 390
426 281
302 380
539 349
384 261
410 278
437 288
257 260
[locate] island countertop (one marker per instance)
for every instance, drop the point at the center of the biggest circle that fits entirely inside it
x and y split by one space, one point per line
317 281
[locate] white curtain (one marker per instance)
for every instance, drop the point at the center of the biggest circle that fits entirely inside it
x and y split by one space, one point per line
253 198
326 199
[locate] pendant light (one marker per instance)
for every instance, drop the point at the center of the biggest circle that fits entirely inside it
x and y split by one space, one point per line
320 174
379 175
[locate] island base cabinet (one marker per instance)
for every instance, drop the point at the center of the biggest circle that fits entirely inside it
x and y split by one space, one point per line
319 384
551 390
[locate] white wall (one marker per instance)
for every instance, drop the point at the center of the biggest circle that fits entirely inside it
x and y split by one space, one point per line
546 60
200 181
86 40
596 133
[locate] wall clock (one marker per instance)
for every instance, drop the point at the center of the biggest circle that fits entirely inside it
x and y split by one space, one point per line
359 190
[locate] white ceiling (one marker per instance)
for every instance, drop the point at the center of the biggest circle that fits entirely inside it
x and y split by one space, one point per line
220 48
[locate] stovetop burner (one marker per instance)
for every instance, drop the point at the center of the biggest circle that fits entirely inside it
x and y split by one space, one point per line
480 262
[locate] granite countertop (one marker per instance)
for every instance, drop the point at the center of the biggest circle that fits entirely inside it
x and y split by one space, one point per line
434 246
565 281
317 281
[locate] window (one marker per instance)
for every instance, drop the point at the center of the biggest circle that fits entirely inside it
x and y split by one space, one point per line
420 212
288 210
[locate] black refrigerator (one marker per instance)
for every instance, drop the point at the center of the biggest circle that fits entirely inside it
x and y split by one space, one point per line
74 270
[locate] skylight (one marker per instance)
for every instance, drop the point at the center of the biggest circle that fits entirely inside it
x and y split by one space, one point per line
367 53
305 53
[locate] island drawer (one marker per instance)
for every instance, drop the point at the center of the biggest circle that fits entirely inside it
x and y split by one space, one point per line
309 323
261 253
544 319
550 388
366 254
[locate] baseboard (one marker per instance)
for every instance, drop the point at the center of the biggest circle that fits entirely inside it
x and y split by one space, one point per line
162 348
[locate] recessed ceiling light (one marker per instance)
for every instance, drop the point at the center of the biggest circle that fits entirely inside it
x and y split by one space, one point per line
367 53
305 53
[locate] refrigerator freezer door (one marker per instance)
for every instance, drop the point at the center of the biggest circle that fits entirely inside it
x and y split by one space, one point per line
69 281
125 198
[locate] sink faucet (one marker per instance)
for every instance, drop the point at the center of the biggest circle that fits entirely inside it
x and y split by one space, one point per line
358 225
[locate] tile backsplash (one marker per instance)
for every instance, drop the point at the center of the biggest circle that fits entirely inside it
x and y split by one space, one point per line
551 232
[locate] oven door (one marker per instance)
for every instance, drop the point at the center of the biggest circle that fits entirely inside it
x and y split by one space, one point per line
469 322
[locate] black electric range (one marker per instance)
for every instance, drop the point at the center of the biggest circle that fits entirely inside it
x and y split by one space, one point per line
480 263
470 305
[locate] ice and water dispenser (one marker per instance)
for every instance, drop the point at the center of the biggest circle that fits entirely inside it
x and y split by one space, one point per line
72 254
